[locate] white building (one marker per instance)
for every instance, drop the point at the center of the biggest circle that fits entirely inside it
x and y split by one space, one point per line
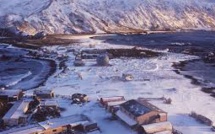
49 103
43 94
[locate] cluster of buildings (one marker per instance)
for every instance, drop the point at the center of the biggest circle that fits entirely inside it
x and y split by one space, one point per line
17 114
138 114
68 124
23 109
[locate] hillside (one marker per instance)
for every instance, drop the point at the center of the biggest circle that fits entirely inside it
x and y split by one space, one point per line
98 16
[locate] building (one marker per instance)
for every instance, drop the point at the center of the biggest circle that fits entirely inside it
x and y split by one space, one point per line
49 103
16 114
30 129
43 94
56 126
157 128
113 107
105 100
140 112
10 95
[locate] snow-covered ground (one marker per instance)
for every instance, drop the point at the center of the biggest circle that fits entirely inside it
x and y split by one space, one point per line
153 78
89 16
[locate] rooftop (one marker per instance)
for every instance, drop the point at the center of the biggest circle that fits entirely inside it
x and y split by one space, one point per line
138 108
44 91
125 118
149 105
49 102
135 108
115 103
10 93
17 110
24 130
72 120
112 98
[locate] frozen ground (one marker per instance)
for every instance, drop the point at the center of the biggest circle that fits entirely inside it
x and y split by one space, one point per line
153 78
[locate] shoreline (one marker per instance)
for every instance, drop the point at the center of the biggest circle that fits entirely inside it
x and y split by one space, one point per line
66 39
179 67
53 69
148 82
48 68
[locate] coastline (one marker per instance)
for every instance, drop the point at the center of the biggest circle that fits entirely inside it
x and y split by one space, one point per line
153 78
40 68
65 39
179 69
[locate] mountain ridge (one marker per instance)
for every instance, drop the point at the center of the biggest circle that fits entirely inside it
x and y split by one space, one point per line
102 16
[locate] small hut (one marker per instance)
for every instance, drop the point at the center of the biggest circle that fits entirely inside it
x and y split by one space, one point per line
105 100
43 94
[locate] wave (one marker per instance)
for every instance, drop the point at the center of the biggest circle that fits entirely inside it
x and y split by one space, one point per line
9 81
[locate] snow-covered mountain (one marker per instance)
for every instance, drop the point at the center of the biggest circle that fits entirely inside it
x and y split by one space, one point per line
96 16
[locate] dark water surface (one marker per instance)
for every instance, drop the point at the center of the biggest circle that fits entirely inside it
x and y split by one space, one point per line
204 39
20 71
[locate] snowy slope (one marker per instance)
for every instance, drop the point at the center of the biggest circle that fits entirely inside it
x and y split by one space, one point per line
90 16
